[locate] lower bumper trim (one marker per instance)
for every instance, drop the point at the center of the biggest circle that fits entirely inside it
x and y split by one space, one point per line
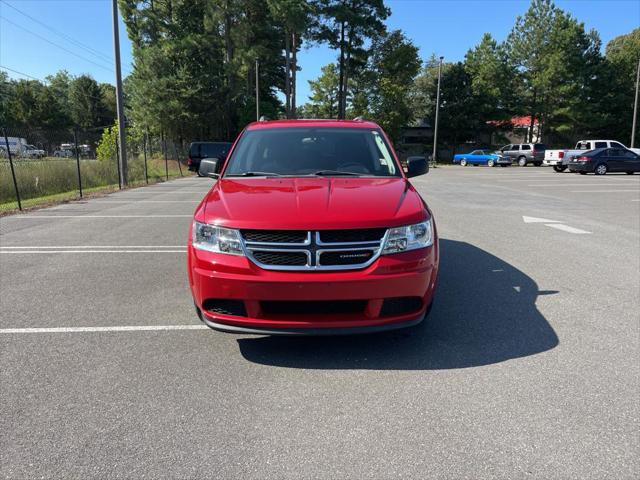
313 331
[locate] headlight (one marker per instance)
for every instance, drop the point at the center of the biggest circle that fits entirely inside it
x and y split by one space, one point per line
410 237
216 239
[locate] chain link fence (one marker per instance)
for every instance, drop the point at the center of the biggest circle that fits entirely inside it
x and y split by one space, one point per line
42 166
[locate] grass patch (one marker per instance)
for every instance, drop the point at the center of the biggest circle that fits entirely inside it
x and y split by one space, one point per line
49 181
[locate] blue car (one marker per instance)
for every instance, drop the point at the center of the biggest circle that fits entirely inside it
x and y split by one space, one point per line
481 157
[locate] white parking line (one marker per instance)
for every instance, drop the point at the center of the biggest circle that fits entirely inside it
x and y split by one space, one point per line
565 228
58 247
134 328
24 217
89 251
574 184
605 191
147 201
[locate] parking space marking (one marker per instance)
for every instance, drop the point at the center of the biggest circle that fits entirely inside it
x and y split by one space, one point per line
538 220
605 191
566 228
148 201
58 247
573 184
132 328
88 251
22 217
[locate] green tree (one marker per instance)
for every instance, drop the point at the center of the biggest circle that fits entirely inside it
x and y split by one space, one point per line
617 85
553 57
85 102
394 65
294 16
346 25
324 94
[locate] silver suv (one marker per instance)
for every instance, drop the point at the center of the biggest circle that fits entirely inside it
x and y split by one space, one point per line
525 153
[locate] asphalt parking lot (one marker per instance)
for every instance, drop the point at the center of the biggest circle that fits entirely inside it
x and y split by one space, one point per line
527 368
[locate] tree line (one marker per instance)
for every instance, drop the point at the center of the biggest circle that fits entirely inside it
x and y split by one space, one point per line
194 74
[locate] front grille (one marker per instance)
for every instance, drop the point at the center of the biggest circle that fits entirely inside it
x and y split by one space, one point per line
399 306
225 306
293 258
348 257
350 236
313 250
313 307
275 236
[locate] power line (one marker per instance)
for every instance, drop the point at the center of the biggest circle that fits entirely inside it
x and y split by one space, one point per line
55 44
90 50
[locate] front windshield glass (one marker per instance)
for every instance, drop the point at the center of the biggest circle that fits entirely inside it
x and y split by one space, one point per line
312 151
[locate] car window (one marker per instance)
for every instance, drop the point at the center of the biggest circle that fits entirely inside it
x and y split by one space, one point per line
618 145
304 151
601 144
506 148
540 146
628 154
214 150
476 152
526 147
583 146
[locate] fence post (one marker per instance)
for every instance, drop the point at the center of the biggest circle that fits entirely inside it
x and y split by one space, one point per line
13 173
75 141
118 163
178 159
144 151
166 161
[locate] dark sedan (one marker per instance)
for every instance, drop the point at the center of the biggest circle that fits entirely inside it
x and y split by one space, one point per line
604 160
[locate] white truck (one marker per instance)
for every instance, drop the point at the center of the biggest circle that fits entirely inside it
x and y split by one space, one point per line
559 159
32 152
20 148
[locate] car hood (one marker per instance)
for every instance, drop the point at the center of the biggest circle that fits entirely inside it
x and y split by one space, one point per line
312 203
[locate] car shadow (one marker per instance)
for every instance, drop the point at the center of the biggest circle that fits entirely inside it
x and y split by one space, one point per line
484 313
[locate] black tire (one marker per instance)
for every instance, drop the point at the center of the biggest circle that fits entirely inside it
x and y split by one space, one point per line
559 168
582 173
463 162
601 169
629 173
198 173
491 163
522 161
538 164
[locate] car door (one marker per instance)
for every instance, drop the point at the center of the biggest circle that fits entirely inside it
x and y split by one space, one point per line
505 151
615 160
629 161
513 152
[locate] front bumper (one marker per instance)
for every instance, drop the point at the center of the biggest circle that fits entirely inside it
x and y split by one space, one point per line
411 274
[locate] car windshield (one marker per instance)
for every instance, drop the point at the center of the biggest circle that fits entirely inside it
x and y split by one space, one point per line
312 151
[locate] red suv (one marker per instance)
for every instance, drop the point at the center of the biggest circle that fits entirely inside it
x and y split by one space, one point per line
312 228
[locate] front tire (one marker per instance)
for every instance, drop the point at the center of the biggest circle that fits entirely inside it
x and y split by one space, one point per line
601 169
629 173
522 161
559 168
463 162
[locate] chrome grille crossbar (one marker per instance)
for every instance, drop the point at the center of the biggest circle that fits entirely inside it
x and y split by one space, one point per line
313 247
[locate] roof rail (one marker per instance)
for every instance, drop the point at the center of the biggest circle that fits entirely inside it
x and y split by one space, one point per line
263 119
358 119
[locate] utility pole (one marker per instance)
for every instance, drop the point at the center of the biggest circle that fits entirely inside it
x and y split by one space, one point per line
257 91
435 128
635 107
119 104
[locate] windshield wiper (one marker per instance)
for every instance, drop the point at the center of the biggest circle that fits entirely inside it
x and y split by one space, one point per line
254 174
328 173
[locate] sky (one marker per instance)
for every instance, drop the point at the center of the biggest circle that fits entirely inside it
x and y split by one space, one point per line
77 35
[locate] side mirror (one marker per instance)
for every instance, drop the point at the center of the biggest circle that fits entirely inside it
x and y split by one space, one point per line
209 167
417 166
